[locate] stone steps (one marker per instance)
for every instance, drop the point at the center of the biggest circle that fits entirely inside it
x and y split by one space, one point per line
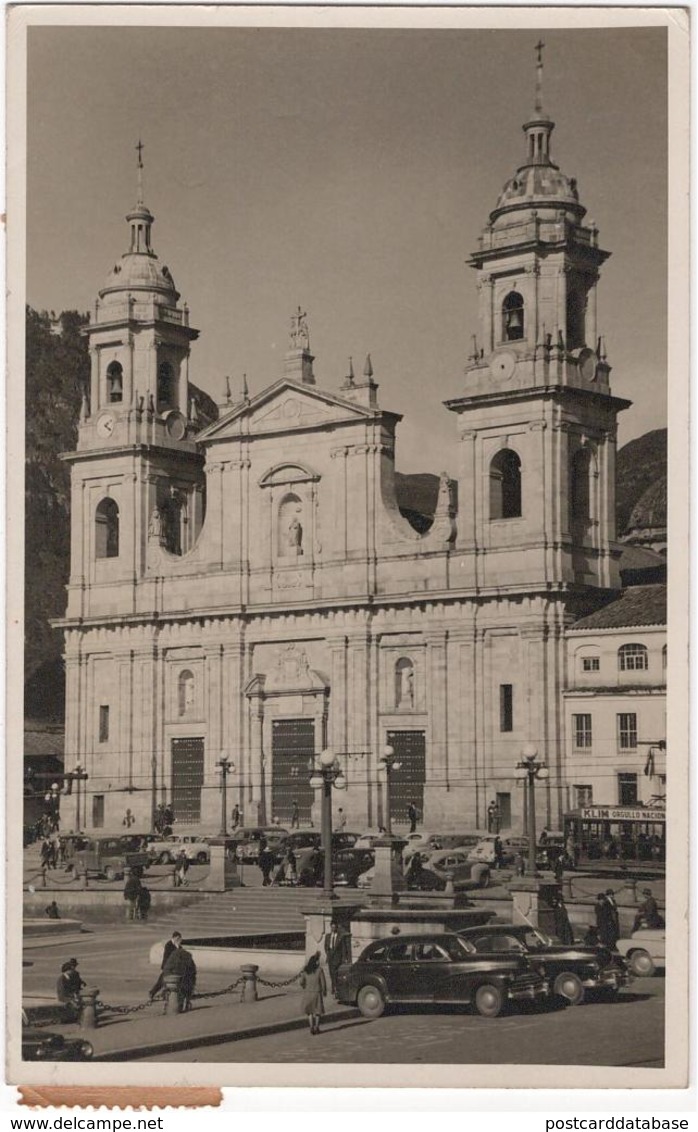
245 910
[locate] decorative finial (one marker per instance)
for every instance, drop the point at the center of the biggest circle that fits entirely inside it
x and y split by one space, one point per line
139 148
539 76
245 390
227 390
368 367
350 375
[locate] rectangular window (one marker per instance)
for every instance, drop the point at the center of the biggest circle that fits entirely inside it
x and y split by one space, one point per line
582 731
98 811
590 664
627 789
583 796
627 731
104 723
506 707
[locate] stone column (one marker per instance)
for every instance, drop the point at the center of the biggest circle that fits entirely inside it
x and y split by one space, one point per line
257 776
437 710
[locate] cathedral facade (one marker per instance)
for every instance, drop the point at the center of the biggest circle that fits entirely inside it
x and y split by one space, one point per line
249 588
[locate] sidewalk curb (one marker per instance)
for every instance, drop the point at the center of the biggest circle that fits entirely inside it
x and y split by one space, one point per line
263 1029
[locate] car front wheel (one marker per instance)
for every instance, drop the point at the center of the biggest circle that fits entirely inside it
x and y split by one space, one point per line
489 1001
370 1002
569 986
641 963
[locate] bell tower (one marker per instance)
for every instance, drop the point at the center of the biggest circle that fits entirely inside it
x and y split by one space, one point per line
137 468
537 420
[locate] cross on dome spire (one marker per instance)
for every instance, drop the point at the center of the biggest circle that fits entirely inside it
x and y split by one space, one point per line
539 76
139 148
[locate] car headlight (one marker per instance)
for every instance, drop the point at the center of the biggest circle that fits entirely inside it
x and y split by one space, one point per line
41 1052
86 1049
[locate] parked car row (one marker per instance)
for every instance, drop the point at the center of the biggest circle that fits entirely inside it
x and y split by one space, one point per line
491 968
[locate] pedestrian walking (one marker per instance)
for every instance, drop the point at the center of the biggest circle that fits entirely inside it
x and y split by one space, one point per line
143 903
591 936
606 921
520 863
563 927
46 854
498 853
235 817
52 911
68 987
173 942
558 868
266 864
181 962
132 890
341 820
414 872
314 989
493 817
295 816
648 914
290 867
181 869
335 952
412 817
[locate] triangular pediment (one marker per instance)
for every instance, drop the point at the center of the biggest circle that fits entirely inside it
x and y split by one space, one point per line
285 406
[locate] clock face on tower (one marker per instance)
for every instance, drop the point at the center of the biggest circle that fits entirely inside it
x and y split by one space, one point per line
105 425
587 365
504 364
176 425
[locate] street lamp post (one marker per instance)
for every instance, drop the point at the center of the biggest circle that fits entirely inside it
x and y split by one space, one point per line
326 775
80 775
388 762
529 769
226 767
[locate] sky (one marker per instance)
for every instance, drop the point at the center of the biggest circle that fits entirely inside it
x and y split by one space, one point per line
349 172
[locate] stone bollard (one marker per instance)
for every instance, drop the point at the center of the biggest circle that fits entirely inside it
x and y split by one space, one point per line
567 893
173 1001
449 889
43 878
174 878
84 879
249 987
88 1008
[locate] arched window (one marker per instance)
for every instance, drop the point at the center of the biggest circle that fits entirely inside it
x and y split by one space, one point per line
632 658
115 383
505 485
580 502
513 317
107 529
404 683
185 692
165 386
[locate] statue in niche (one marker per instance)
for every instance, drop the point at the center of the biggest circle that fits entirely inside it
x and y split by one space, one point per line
295 536
155 526
404 681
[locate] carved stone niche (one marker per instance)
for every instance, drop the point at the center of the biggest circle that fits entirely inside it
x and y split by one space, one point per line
292 508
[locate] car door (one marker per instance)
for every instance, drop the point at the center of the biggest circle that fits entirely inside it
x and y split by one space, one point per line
400 972
432 969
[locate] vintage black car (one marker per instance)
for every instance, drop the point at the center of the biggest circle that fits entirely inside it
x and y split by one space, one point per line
46 1045
349 864
436 968
571 969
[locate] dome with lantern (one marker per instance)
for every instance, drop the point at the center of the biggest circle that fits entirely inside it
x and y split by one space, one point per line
139 268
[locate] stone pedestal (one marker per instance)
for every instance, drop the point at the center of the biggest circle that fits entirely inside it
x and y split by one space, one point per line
532 902
223 873
388 876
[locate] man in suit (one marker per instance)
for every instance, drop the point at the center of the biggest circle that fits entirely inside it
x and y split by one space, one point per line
181 962
336 952
607 923
171 945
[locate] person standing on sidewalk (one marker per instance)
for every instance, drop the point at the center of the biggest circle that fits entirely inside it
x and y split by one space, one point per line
181 962
314 989
132 890
295 816
172 944
266 864
412 817
68 988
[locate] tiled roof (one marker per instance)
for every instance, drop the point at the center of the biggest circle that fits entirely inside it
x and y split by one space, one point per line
636 606
44 740
640 558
